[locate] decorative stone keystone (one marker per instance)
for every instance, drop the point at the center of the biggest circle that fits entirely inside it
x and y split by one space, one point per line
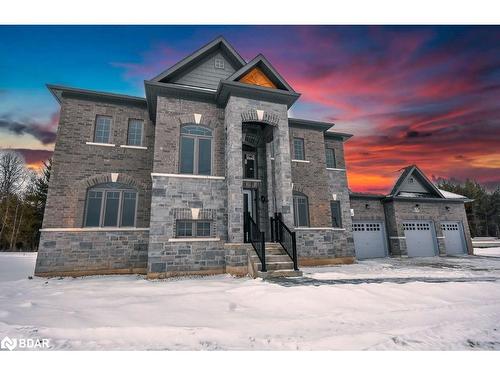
195 213
197 118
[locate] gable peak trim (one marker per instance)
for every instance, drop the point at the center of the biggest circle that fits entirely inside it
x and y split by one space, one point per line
266 68
199 54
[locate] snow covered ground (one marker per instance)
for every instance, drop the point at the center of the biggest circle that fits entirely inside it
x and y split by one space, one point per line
386 304
488 251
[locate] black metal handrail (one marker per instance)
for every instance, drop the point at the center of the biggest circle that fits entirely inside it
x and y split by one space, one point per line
282 234
256 238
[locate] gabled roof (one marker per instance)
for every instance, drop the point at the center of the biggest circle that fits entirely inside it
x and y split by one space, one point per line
189 61
261 63
449 195
410 171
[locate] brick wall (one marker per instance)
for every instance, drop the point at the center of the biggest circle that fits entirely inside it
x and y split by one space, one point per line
311 178
76 164
171 114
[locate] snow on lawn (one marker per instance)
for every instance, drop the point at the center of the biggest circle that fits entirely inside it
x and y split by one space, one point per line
488 251
396 304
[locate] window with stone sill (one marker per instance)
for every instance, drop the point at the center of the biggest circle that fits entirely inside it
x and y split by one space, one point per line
102 132
298 149
330 158
193 228
111 205
135 132
300 210
195 150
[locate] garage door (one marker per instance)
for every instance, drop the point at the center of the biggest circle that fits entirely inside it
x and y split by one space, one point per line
454 241
420 238
369 239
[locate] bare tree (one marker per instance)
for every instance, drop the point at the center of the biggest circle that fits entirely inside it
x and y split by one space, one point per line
12 172
12 178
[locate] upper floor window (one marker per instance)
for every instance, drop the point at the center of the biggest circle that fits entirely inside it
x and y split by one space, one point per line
110 205
135 131
300 210
102 131
336 214
298 149
196 150
331 162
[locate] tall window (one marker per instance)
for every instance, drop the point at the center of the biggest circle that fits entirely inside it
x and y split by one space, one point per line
330 158
110 205
298 149
192 228
102 129
300 210
135 130
336 214
196 150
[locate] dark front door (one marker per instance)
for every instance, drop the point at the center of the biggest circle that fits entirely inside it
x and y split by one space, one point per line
248 209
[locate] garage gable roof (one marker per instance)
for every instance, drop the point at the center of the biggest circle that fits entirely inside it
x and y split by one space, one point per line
414 183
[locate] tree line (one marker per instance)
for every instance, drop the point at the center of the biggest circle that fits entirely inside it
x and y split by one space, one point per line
23 194
483 213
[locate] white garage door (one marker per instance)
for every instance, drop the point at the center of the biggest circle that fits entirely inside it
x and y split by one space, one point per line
420 238
453 238
369 239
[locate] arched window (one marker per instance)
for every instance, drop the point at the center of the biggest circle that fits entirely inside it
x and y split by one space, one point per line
195 150
111 204
300 210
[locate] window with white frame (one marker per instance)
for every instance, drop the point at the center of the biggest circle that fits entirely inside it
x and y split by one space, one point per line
219 64
300 210
193 228
102 132
111 205
298 149
135 132
195 150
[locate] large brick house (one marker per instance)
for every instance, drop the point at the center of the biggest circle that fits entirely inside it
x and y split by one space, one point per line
185 181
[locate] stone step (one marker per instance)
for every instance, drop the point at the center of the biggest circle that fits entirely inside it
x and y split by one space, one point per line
273 245
279 273
271 266
272 258
268 253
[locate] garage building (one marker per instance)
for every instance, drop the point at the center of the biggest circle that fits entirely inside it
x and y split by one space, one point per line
416 219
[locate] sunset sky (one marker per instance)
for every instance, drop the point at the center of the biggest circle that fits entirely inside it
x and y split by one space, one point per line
410 95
